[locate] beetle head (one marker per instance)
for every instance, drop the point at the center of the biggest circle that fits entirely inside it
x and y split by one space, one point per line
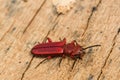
74 50
78 52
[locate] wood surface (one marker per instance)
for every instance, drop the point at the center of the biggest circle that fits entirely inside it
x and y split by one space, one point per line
24 23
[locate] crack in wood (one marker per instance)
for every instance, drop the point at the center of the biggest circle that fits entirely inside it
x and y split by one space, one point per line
43 40
89 18
108 55
23 74
7 31
52 27
34 16
27 67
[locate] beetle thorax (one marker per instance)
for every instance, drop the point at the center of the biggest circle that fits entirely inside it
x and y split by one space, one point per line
69 48
74 51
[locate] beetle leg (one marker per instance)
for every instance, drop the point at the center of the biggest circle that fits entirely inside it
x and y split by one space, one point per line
73 42
60 61
49 40
74 63
49 57
76 42
63 56
64 40
60 39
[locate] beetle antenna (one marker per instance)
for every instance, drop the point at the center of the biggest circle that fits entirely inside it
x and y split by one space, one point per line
91 46
41 62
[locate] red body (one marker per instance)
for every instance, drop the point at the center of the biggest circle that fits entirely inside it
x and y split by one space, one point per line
54 49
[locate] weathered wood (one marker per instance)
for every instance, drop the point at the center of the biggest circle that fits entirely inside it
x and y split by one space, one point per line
23 23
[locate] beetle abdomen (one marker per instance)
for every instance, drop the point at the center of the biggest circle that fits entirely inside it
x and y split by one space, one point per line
47 50
53 44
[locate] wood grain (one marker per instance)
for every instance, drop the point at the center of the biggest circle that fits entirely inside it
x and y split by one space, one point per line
23 23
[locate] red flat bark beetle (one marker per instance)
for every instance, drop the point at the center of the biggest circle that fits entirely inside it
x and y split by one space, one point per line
59 49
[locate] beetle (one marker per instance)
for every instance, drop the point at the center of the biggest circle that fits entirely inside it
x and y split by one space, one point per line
59 49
